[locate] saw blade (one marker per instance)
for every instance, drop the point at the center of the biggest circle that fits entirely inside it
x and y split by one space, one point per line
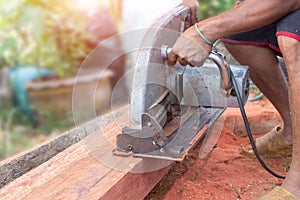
212 136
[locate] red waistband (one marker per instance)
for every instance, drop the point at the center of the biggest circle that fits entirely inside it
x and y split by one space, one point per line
288 34
255 43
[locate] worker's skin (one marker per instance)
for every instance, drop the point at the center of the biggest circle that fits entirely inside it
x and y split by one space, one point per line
265 70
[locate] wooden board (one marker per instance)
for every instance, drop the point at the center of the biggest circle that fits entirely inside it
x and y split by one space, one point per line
88 170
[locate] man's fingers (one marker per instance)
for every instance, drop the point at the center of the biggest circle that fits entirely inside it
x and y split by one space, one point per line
172 58
194 6
182 61
194 17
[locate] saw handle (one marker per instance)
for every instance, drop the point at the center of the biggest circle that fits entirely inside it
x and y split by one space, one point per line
225 82
219 60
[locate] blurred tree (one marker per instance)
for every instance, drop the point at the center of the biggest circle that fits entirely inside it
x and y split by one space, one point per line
210 8
44 33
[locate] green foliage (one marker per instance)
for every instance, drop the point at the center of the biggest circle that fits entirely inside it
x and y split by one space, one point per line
12 141
45 33
209 8
18 132
51 34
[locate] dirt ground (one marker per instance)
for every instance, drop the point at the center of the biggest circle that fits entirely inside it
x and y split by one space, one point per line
225 173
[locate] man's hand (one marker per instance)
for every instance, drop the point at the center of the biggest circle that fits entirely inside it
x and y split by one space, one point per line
190 49
194 6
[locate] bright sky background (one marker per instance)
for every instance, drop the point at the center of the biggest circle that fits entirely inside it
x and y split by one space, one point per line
135 13
90 4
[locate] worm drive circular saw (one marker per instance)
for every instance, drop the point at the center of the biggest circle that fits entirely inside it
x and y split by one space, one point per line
173 107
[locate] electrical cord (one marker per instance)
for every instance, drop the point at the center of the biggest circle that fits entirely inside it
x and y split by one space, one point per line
247 126
259 96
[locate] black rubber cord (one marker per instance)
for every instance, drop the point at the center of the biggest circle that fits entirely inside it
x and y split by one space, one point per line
247 126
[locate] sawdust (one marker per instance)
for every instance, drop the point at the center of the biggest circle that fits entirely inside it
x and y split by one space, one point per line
225 173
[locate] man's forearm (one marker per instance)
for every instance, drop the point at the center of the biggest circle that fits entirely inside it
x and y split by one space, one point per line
247 16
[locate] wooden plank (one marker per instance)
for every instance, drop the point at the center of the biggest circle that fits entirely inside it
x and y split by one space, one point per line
88 170
17 165
20 164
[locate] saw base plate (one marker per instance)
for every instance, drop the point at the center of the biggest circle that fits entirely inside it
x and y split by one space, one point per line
192 129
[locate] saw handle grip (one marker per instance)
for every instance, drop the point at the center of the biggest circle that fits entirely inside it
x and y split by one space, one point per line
225 81
219 60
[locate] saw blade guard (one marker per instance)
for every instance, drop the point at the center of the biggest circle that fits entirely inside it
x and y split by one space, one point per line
150 76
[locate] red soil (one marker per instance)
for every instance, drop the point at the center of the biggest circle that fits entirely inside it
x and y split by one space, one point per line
225 173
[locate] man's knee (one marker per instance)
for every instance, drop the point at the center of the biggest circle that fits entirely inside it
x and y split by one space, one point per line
236 49
246 50
290 49
231 47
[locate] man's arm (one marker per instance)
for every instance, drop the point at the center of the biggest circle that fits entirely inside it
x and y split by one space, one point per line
246 16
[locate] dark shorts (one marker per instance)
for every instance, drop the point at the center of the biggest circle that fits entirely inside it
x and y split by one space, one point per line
266 36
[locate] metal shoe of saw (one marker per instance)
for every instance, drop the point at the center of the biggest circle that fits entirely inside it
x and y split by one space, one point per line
172 107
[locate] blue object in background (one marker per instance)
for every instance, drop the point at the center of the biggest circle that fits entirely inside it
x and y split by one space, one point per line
20 76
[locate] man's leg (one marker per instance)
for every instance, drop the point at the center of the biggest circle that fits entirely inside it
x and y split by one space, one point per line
267 75
290 49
